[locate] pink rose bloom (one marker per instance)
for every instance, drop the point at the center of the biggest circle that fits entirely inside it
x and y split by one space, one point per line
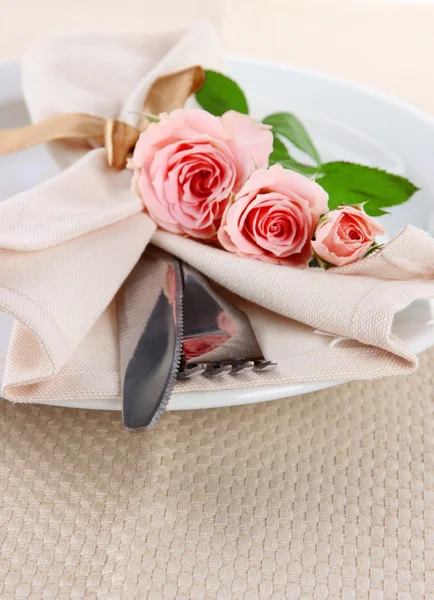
187 166
273 217
345 235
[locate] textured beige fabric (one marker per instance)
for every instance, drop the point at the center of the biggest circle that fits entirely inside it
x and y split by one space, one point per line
323 496
66 247
341 303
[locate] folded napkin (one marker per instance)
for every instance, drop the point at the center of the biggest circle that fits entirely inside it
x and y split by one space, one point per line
67 246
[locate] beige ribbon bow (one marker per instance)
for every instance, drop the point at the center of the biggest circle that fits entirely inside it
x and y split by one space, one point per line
167 93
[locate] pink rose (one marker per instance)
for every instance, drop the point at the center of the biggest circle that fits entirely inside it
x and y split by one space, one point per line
251 144
345 235
187 166
273 217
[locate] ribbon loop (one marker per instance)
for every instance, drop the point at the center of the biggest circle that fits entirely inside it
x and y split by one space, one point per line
167 93
119 141
58 127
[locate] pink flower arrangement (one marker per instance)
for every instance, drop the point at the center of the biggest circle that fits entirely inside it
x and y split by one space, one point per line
207 177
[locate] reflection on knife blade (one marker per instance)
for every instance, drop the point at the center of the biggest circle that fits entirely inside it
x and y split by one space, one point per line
150 334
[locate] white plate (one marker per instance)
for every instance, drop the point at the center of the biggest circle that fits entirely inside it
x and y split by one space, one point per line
347 122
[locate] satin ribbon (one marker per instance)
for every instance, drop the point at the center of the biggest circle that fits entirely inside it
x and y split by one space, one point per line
167 93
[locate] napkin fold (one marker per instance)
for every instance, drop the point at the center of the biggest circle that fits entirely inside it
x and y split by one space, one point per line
67 246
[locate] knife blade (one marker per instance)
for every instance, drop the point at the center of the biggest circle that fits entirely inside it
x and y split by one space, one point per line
150 334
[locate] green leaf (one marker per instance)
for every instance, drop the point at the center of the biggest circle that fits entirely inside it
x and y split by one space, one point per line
322 263
374 211
281 155
374 248
280 151
293 165
292 129
349 183
219 94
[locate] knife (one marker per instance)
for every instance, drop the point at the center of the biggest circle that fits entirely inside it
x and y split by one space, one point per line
150 334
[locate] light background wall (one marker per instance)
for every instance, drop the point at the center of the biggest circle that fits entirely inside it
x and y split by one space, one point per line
385 44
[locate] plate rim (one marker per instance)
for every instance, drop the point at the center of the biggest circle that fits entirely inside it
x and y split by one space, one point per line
323 75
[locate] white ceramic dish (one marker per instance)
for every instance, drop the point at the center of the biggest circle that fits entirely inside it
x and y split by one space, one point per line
347 122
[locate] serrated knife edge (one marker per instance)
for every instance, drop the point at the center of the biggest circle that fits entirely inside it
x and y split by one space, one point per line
150 334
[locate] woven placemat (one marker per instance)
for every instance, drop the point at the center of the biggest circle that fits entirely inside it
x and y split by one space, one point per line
327 495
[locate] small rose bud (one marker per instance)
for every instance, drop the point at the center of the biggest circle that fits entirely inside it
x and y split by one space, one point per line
345 235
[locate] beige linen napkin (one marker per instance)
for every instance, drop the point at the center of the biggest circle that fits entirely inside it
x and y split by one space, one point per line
67 246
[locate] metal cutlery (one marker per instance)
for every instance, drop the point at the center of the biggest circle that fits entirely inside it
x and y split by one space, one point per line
215 330
174 325
150 333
